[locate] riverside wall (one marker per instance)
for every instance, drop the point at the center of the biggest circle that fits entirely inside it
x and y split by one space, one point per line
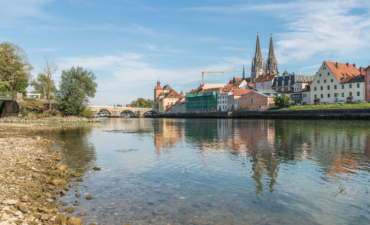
334 114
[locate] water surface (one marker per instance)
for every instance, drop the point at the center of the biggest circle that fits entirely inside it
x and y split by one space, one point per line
208 171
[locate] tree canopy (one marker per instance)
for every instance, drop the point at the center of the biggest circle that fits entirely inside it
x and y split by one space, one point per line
40 86
75 89
14 68
282 100
142 103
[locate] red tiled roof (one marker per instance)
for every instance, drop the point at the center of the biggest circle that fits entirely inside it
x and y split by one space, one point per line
264 78
158 88
167 87
211 90
173 94
239 92
345 72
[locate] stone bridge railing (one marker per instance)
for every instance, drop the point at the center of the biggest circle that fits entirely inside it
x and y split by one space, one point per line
116 111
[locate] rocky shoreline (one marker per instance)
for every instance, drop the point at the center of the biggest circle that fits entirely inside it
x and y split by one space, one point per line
72 119
32 178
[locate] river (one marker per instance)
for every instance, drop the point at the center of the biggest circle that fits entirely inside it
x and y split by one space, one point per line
220 171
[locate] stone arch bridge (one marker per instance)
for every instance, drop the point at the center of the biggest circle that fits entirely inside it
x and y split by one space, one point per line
116 111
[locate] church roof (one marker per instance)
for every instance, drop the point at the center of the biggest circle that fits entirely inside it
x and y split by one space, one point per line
258 52
271 49
264 78
173 94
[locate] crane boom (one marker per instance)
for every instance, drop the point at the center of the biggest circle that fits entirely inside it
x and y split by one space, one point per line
233 71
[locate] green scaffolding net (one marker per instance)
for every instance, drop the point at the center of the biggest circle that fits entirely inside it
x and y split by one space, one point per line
206 100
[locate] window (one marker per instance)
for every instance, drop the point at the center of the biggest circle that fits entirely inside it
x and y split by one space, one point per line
243 102
321 88
255 95
322 95
350 94
329 74
315 96
318 81
328 87
255 101
358 93
328 95
342 86
282 89
358 85
335 95
332 80
320 75
263 100
315 88
342 94
260 100
335 86
350 85
252 100
247 101
325 81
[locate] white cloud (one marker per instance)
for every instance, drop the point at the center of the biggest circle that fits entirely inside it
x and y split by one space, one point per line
313 27
21 8
129 73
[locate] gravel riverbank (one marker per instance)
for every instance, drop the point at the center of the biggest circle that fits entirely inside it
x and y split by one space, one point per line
32 178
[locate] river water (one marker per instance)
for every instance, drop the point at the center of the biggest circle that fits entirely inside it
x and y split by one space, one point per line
220 171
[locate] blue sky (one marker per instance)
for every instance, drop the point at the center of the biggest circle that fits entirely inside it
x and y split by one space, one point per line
128 44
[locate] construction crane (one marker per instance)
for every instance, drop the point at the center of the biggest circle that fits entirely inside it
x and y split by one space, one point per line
203 72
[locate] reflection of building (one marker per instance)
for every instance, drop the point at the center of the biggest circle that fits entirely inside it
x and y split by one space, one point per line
167 134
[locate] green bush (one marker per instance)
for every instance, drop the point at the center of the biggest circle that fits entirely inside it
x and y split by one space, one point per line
282 100
87 112
24 112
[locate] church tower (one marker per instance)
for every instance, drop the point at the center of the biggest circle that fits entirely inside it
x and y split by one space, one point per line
157 91
271 62
258 64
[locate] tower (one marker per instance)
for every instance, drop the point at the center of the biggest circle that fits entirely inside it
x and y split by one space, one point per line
258 64
271 62
157 91
243 73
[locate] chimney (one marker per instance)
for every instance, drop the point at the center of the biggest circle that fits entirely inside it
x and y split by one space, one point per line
347 64
336 65
354 65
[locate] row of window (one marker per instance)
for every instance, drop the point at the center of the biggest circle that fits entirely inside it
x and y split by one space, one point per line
255 101
318 81
328 73
335 86
336 95
221 96
221 102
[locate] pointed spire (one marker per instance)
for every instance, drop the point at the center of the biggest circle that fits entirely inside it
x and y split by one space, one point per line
243 73
271 49
258 47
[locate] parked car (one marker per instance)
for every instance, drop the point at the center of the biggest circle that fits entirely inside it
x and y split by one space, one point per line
296 104
304 103
323 103
339 101
287 105
359 101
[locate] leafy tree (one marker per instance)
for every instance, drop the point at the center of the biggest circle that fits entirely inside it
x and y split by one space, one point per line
40 85
282 100
142 103
48 70
14 68
75 89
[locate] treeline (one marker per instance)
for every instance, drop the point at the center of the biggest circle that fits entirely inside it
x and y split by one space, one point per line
76 86
142 103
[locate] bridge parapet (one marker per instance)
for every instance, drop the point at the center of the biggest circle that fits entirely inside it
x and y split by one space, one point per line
116 111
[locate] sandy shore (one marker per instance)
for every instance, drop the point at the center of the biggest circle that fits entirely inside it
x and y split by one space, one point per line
32 178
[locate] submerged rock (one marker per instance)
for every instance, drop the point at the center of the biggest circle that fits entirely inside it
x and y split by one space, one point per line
82 214
97 168
78 174
70 210
74 221
62 167
78 195
61 220
89 197
59 182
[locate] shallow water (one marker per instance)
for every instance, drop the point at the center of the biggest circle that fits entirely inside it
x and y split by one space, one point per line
208 171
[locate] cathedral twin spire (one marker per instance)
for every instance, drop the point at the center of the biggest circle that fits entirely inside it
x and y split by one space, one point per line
258 63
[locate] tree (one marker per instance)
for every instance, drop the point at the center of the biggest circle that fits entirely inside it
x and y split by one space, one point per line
48 70
75 89
40 85
14 68
142 103
282 100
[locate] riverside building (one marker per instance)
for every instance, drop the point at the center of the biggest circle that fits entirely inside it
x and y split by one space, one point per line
338 82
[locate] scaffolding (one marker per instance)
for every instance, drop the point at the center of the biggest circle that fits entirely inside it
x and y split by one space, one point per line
201 102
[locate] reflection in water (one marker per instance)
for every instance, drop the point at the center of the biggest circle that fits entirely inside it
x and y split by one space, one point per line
263 171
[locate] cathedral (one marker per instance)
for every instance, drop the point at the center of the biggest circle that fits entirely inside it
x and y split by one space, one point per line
259 67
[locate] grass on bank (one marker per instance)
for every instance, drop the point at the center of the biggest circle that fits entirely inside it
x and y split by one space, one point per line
326 106
33 102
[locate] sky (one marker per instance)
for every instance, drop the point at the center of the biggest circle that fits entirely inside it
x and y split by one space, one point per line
130 44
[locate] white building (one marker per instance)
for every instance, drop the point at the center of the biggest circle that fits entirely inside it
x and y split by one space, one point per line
222 97
337 81
264 82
